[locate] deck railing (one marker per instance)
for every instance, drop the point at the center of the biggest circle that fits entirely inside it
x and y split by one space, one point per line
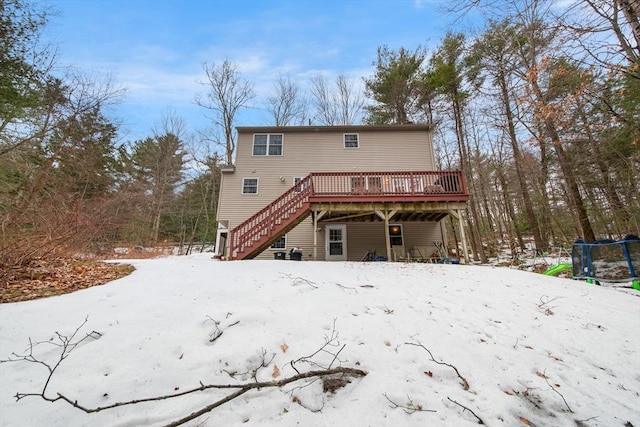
399 185
263 228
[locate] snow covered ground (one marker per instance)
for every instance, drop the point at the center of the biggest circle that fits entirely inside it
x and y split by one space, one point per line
534 350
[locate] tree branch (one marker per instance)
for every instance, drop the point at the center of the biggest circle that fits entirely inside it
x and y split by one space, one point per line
67 344
467 409
410 407
465 384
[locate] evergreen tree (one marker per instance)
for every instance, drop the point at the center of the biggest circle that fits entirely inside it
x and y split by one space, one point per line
398 88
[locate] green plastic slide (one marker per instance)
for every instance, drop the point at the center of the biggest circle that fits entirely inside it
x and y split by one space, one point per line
557 269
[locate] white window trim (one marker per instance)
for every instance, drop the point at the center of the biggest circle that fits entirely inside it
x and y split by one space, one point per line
250 194
271 248
344 141
401 232
268 144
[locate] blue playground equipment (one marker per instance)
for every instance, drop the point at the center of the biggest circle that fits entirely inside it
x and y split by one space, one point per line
608 261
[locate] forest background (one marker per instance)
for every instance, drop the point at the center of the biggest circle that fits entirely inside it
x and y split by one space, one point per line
540 109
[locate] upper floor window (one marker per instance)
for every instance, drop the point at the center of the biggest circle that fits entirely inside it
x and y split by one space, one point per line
267 145
250 186
351 140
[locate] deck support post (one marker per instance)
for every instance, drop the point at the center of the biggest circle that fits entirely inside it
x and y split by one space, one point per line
465 250
457 214
386 216
317 215
387 238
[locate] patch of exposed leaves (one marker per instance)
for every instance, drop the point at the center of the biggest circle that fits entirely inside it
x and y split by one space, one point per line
48 277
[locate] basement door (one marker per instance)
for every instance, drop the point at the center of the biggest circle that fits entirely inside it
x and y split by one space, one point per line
336 242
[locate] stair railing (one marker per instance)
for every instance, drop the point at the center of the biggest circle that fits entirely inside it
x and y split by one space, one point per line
270 220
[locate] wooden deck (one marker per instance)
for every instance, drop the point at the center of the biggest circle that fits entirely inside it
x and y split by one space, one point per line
352 196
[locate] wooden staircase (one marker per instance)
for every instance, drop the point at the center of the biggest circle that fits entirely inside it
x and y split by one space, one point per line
263 229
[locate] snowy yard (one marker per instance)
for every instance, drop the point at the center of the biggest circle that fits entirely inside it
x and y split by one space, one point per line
442 345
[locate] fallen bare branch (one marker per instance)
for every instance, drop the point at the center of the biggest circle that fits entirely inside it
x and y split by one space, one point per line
410 407
300 280
243 388
554 389
467 409
253 372
465 384
544 301
66 343
346 288
217 332
329 342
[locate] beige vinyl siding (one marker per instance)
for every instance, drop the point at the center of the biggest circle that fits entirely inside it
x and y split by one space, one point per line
364 236
422 235
361 237
305 150
301 237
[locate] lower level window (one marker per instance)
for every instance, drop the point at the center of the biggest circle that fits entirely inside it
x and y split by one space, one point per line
281 243
395 235
250 186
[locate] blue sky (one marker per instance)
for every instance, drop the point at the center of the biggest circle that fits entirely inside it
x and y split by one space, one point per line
156 49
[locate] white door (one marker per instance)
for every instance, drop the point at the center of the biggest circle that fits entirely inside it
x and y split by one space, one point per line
336 242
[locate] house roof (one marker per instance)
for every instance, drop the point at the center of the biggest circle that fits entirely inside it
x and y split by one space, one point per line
341 128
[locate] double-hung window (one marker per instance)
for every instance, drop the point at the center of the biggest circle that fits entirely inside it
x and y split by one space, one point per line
280 244
267 144
250 186
351 140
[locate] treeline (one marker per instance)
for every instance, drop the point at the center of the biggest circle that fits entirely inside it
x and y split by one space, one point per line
67 185
541 110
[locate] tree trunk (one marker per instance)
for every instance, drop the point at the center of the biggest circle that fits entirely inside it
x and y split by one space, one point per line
572 185
508 202
464 160
541 244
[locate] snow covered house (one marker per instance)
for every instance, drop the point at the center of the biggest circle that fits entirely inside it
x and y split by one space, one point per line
336 192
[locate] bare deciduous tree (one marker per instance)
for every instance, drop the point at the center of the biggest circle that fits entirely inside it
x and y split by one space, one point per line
325 109
286 105
342 106
590 19
228 93
350 100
